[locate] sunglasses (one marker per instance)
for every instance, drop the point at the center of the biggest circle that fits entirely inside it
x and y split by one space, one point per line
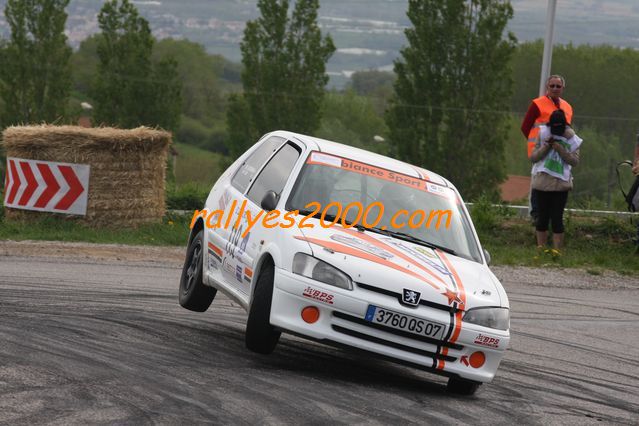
555 86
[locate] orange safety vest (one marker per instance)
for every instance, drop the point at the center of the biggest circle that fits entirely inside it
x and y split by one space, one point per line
546 107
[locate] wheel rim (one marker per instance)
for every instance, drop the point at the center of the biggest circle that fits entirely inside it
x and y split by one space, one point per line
191 272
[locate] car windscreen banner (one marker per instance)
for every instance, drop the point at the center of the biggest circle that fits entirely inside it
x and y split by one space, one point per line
320 158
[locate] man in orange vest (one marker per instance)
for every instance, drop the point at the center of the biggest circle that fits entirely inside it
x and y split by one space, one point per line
539 113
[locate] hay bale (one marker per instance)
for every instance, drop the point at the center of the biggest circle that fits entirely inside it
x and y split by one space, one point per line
128 167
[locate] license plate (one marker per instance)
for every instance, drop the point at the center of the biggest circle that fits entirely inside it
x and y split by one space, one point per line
392 319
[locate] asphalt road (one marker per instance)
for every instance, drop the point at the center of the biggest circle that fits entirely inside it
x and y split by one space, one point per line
96 341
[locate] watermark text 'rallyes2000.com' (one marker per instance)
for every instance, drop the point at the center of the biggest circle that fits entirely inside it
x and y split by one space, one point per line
363 216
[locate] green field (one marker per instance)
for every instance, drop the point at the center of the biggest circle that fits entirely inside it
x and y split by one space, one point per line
198 166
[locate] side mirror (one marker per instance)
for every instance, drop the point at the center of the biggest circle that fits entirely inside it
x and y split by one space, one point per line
487 256
269 202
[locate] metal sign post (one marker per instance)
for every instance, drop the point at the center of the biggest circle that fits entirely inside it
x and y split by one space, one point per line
548 42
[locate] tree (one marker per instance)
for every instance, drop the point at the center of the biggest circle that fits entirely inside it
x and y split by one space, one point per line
202 91
352 120
453 82
84 66
377 85
130 90
284 73
35 77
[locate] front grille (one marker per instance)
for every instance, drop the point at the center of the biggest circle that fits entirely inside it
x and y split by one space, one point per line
398 296
395 345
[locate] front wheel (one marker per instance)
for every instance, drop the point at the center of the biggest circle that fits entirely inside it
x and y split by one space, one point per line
194 295
462 386
261 336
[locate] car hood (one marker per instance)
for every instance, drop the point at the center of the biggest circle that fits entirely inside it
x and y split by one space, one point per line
396 265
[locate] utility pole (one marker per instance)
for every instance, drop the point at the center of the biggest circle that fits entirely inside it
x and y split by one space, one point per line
546 60
548 42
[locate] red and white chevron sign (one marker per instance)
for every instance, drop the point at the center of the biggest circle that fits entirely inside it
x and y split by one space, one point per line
46 186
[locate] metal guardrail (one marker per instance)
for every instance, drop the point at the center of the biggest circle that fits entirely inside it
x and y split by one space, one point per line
522 211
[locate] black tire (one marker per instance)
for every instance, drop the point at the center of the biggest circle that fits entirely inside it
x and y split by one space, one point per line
261 336
462 386
194 295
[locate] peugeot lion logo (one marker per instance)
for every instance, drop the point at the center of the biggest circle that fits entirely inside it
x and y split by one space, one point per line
411 297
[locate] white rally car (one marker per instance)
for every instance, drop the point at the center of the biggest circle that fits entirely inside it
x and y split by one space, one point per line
322 240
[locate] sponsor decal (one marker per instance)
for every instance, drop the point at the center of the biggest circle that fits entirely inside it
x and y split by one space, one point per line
368 170
226 265
439 190
233 245
419 254
483 340
329 160
362 245
486 293
238 273
243 244
411 297
319 295
426 252
224 200
248 274
215 251
212 262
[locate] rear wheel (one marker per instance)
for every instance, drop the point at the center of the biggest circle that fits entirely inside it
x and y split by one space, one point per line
261 336
194 295
462 386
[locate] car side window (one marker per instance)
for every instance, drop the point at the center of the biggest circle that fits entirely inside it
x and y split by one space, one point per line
275 174
246 172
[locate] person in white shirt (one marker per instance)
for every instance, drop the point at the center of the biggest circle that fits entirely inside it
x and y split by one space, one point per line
554 155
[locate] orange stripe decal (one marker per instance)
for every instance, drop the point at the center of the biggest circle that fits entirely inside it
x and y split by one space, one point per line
391 249
248 272
340 248
215 249
440 362
461 296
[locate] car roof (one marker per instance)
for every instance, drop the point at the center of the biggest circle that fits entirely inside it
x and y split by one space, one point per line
363 156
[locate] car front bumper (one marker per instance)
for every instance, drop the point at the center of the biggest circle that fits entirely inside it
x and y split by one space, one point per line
342 321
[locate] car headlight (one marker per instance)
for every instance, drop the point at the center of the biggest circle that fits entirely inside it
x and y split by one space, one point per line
498 318
311 267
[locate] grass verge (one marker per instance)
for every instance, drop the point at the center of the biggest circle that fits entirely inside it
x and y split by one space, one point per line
592 243
173 231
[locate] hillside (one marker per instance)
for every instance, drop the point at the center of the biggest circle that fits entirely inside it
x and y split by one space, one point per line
367 33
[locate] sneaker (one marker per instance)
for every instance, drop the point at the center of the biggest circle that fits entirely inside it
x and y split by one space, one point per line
555 253
538 254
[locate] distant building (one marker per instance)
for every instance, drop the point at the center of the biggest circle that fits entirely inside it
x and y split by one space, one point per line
515 188
84 121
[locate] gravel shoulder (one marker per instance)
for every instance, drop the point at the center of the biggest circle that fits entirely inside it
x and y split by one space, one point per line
550 276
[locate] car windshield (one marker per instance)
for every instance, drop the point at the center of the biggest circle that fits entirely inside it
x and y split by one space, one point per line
398 205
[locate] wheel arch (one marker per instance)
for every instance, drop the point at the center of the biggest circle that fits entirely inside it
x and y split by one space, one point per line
197 227
264 259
